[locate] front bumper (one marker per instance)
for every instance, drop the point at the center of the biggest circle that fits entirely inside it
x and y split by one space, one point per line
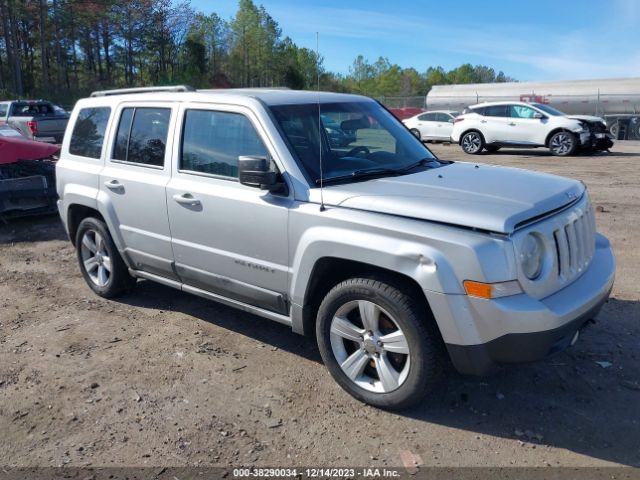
596 140
522 329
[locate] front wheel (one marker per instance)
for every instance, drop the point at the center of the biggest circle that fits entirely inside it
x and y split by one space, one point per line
378 344
472 143
416 133
563 144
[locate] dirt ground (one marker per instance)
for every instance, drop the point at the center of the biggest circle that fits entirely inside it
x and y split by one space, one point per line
159 377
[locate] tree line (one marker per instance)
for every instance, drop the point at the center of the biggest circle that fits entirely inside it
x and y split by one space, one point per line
64 49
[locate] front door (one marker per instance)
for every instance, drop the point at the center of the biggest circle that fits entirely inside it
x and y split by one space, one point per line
134 180
526 128
228 238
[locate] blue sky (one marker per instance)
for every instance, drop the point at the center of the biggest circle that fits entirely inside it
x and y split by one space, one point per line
527 39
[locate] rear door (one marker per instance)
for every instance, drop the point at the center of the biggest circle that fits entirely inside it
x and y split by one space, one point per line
228 239
494 124
427 125
134 179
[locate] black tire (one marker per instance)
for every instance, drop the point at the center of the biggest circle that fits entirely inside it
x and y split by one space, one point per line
424 365
472 142
118 279
416 133
492 148
563 144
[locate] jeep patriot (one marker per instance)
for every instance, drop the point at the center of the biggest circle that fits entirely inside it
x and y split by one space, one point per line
323 212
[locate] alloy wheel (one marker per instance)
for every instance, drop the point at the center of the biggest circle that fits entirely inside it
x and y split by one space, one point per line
95 257
561 143
370 346
471 142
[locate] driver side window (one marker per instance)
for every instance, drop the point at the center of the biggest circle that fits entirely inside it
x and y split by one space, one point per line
520 111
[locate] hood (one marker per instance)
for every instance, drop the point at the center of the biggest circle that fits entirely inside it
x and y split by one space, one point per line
486 197
586 118
14 149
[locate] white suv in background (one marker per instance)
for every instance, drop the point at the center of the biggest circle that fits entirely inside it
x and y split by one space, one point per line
491 126
435 125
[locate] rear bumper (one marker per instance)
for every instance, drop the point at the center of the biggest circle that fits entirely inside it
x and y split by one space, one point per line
529 329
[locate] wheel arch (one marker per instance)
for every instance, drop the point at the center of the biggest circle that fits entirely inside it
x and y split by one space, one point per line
471 129
328 272
75 214
553 132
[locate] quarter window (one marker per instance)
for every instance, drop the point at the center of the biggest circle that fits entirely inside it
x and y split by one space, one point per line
142 136
88 132
213 141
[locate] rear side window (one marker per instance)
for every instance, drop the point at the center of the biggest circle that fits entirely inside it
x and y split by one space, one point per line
213 141
142 136
88 132
3 110
497 111
31 109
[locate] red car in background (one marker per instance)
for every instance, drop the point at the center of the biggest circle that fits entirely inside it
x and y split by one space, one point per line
403 113
27 175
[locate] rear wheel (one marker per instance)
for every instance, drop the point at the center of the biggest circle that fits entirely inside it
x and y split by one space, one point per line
100 263
377 343
563 144
416 133
472 142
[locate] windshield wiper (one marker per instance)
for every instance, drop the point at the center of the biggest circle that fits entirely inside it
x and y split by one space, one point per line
373 172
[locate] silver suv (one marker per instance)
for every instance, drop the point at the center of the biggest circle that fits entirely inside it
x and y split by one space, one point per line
395 260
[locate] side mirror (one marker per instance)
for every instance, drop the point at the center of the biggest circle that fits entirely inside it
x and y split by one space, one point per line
538 115
254 171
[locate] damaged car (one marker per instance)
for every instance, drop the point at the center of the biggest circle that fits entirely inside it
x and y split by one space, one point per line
492 126
27 175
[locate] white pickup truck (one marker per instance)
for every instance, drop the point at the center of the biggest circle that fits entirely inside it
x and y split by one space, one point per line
35 119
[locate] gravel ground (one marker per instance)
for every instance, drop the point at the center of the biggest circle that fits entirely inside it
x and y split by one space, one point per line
159 377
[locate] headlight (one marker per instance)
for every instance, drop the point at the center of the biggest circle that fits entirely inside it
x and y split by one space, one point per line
532 256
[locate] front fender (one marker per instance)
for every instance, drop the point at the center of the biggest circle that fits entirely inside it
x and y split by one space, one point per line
427 266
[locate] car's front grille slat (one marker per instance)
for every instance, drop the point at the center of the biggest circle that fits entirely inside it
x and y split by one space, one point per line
575 245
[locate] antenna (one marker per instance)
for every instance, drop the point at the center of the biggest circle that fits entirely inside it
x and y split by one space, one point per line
319 122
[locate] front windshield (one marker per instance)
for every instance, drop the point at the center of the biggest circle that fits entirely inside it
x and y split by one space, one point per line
356 138
549 110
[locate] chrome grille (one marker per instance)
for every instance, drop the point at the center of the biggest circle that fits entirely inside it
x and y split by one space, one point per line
575 245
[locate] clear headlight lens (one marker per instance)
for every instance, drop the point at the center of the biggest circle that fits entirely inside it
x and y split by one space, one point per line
532 256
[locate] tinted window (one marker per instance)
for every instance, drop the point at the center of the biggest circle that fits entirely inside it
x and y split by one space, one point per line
423 118
496 111
142 135
443 117
213 141
3 110
88 132
31 109
429 117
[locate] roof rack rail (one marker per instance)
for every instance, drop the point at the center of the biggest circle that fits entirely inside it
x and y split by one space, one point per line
125 91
